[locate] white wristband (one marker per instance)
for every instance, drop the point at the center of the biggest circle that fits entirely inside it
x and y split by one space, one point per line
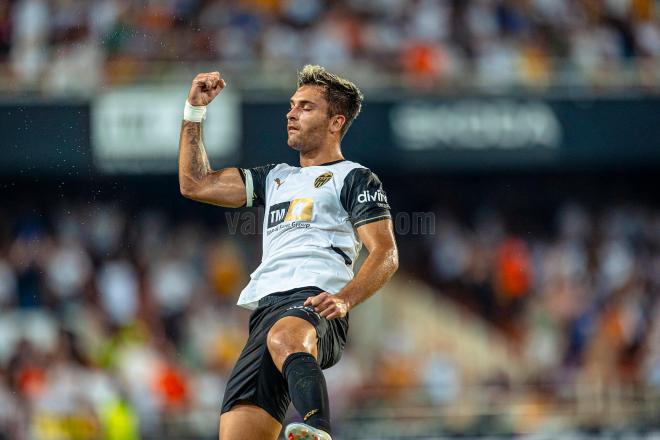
194 113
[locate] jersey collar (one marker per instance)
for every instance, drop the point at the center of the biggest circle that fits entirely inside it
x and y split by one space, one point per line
330 163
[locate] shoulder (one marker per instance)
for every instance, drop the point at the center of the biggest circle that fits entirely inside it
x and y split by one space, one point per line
357 173
349 165
360 185
350 170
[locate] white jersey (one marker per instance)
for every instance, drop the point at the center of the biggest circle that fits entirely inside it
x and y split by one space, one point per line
311 213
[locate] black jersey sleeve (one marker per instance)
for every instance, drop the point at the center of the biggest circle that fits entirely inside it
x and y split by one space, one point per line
363 197
255 180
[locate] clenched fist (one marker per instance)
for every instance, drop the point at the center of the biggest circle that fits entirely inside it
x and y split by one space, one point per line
205 87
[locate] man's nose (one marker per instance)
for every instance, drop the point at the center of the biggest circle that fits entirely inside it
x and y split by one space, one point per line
293 114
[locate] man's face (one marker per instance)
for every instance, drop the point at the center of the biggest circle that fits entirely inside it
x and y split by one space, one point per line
308 121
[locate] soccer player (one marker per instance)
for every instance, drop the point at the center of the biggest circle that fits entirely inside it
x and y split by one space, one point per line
317 216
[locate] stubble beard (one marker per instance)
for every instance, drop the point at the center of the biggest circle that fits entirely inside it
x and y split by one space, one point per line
305 142
294 142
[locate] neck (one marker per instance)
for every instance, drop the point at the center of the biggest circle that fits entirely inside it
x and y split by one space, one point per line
319 156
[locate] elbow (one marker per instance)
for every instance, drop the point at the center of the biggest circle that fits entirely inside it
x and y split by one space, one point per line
188 191
395 261
388 260
189 186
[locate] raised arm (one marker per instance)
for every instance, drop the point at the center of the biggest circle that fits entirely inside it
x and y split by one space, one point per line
197 180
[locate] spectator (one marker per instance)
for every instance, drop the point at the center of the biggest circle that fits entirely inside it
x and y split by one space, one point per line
491 43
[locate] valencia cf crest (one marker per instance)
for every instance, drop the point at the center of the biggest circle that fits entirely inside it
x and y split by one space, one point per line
322 179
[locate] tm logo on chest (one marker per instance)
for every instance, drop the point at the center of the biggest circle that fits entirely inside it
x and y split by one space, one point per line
294 210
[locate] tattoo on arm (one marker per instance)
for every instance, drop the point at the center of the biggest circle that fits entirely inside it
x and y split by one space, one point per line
199 161
197 180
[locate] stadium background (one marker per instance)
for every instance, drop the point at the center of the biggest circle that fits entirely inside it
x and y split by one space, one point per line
518 144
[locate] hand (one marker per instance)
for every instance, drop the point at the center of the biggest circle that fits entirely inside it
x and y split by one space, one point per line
328 306
205 87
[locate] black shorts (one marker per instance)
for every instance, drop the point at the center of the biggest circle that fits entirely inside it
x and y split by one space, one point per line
255 379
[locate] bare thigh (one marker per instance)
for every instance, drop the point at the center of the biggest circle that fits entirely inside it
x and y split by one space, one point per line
248 422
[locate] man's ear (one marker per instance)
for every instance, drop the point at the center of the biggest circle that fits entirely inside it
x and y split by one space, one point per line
337 123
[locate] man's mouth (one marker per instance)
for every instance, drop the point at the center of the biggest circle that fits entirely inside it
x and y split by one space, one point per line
291 128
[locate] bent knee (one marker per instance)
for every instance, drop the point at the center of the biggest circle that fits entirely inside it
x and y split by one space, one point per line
283 343
284 340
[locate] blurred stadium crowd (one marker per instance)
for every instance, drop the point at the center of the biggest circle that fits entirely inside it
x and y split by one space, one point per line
581 300
110 315
58 46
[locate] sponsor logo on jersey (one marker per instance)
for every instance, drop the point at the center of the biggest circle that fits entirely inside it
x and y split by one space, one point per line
322 179
300 210
296 210
366 196
278 182
277 213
